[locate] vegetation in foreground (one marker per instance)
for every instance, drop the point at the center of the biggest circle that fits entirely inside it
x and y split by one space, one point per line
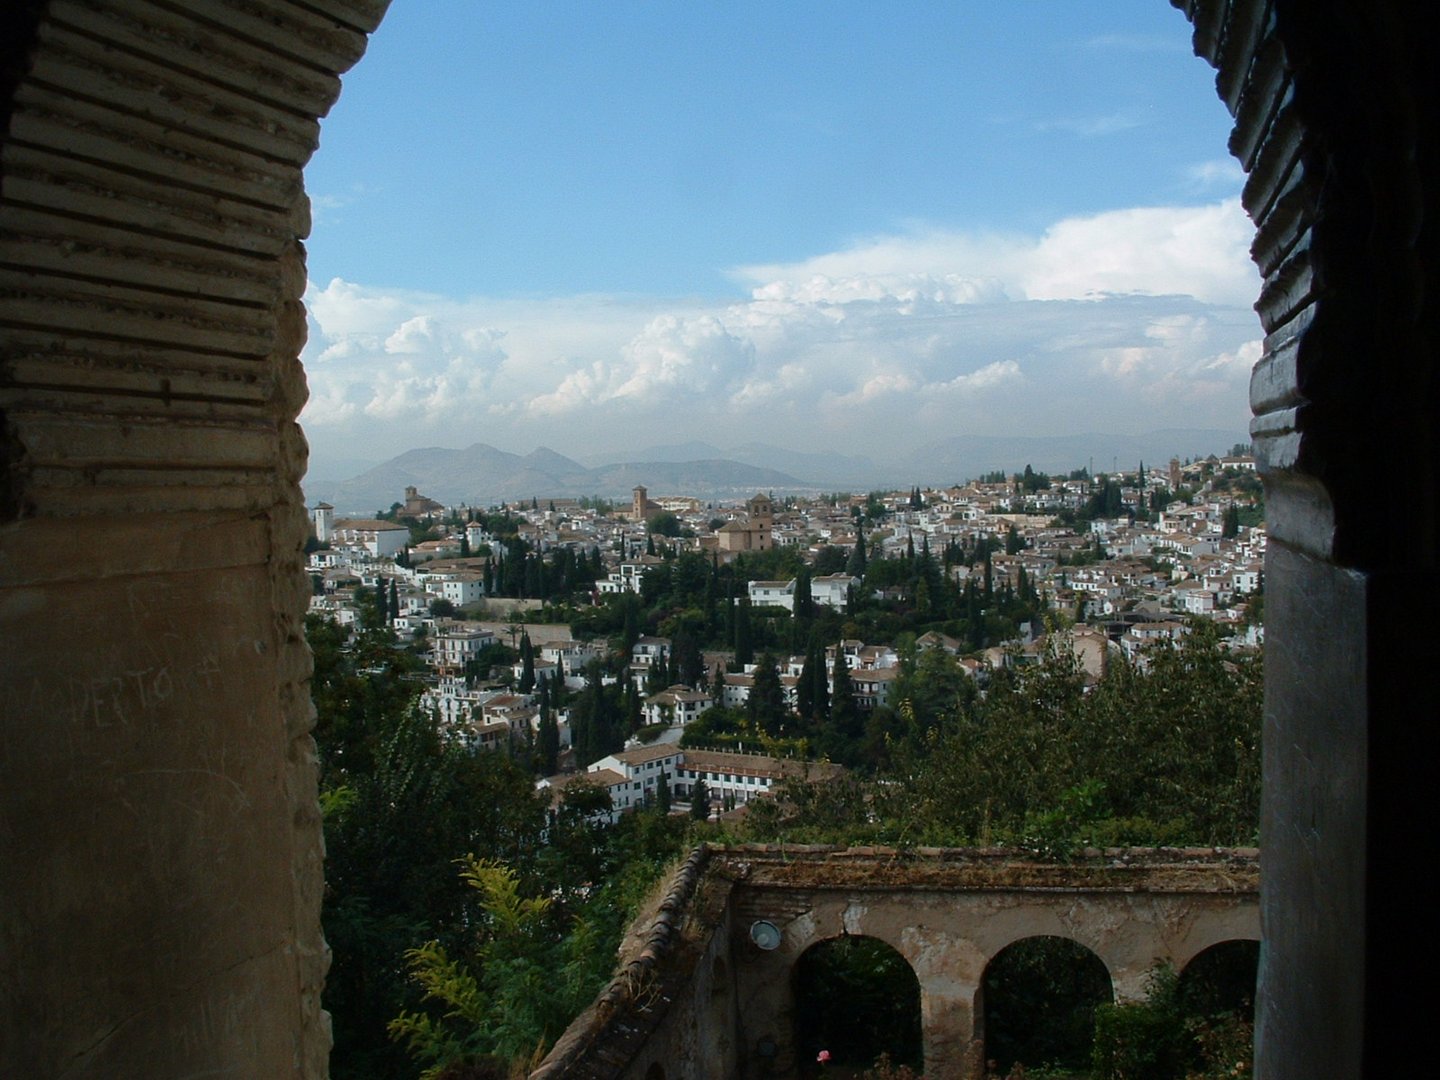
469 923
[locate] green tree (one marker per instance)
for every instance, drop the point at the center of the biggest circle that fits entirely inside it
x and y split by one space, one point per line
804 601
846 723
744 635
382 603
700 800
664 523
514 988
527 665
855 567
401 803
1230 528
548 745
765 708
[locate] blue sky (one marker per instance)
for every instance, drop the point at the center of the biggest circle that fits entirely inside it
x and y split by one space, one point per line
601 226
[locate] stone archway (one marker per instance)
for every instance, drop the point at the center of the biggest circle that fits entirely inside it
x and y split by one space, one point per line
157 764
856 997
1037 1003
1222 978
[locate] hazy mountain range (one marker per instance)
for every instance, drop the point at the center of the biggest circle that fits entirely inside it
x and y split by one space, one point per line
480 475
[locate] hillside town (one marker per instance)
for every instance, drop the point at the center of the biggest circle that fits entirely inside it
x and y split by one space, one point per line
507 607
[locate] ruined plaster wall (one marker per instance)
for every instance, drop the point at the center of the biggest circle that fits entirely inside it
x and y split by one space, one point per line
1334 125
698 1039
159 906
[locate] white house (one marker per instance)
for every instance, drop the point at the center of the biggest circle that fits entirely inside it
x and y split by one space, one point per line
742 776
773 594
649 651
380 538
455 644
832 590
676 705
460 587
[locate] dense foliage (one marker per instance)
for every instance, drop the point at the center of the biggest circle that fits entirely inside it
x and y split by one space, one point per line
1164 754
489 961
856 998
405 808
1176 1033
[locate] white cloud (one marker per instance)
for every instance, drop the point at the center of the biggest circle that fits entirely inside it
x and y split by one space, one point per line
1132 320
676 358
1218 174
1096 125
1242 360
1186 251
996 374
1191 251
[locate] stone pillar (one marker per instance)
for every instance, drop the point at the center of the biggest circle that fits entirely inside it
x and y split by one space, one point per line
1333 122
953 1047
159 905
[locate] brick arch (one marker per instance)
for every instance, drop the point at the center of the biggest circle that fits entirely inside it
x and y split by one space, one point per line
151 219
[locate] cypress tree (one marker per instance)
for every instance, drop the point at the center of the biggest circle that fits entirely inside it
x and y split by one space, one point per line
804 599
820 708
394 608
548 748
766 705
527 665
855 566
744 646
634 715
844 713
805 690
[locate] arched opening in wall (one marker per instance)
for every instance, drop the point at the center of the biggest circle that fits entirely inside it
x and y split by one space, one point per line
1220 980
867 348
856 998
1038 1001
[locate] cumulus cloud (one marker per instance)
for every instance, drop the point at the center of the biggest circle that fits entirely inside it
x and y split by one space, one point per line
677 358
1132 319
1200 251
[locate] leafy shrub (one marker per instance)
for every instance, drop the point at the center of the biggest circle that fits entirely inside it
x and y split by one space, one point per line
1161 1038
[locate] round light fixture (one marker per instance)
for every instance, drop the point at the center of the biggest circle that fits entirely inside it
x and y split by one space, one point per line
765 934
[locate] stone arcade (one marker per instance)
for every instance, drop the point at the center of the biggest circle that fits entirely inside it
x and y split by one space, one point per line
698 989
160 841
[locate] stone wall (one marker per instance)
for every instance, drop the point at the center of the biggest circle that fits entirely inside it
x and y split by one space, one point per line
158 832
160 835
1335 130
